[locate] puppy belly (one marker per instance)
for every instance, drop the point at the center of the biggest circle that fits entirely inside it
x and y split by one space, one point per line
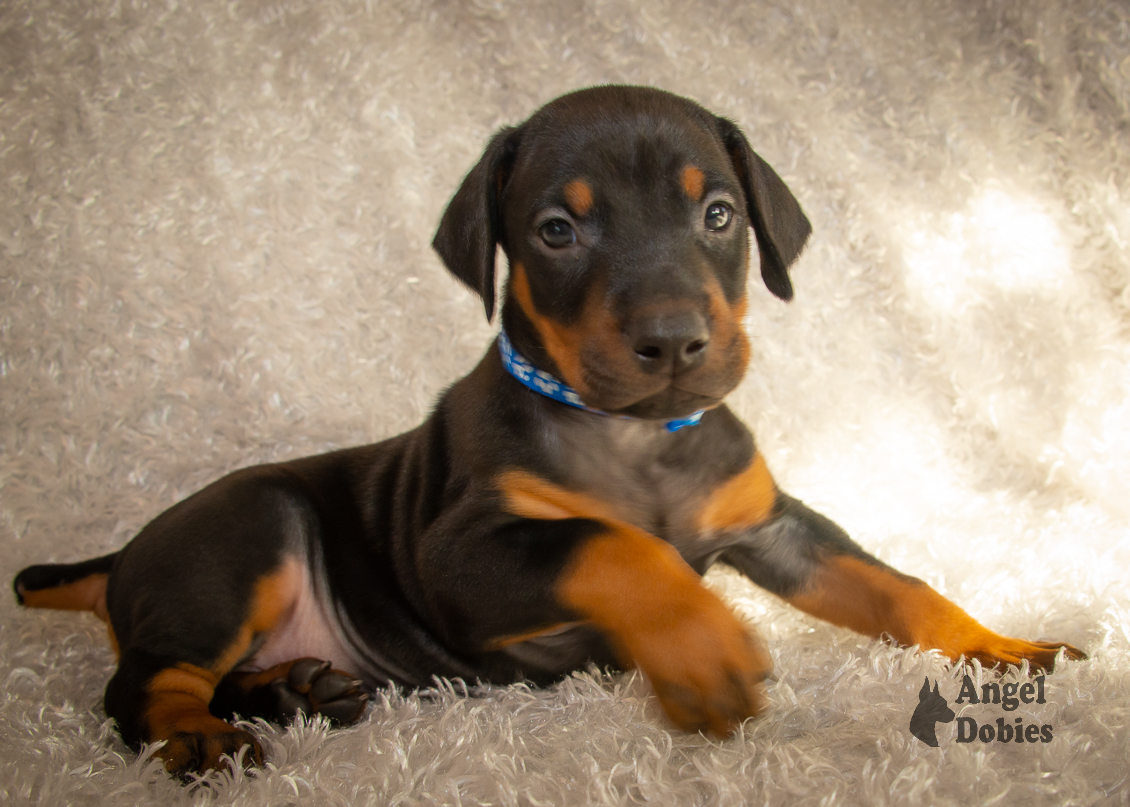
306 631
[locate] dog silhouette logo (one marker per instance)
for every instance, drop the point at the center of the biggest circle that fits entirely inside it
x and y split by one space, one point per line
932 708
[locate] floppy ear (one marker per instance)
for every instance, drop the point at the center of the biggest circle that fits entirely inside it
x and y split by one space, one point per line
778 222
471 226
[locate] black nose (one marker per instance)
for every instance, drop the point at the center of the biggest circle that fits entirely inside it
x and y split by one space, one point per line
669 342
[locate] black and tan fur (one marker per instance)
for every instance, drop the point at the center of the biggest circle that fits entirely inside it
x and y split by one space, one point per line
510 537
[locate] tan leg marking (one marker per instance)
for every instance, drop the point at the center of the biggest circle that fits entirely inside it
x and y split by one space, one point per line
518 638
704 666
872 600
275 595
177 712
178 697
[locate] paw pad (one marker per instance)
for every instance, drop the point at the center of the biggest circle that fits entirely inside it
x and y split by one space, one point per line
313 687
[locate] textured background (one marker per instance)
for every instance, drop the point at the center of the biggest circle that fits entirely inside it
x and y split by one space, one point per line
214 229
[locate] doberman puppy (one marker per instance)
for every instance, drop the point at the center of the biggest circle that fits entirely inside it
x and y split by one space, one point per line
559 505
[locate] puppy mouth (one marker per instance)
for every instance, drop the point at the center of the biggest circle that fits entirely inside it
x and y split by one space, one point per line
612 387
671 402
675 398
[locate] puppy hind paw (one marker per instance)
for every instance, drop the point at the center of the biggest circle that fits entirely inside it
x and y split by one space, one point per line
197 752
313 687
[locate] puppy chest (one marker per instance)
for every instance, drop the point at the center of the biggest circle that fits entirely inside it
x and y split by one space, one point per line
628 466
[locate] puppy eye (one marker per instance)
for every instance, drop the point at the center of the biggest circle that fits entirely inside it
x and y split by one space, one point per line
557 233
718 216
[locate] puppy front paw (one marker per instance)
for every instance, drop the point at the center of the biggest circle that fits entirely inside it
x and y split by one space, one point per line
996 649
705 667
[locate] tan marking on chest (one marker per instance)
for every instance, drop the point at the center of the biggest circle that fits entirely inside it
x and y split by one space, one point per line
744 500
530 496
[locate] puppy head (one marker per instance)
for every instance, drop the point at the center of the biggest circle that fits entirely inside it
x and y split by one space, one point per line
624 213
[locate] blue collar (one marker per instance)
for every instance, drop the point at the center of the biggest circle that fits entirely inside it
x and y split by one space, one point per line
544 384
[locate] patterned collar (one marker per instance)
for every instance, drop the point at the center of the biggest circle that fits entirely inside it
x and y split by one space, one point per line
543 383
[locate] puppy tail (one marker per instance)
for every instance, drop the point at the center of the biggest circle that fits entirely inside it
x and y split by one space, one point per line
69 586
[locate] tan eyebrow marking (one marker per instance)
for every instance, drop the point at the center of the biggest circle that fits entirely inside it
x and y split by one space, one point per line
578 195
693 182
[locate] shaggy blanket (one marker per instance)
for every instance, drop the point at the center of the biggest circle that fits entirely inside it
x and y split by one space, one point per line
214 251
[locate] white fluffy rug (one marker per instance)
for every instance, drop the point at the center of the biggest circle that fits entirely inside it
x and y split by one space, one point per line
214 229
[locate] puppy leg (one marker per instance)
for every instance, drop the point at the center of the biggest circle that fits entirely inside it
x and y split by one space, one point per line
811 562
154 699
874 599
650 605
704 665
178 644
